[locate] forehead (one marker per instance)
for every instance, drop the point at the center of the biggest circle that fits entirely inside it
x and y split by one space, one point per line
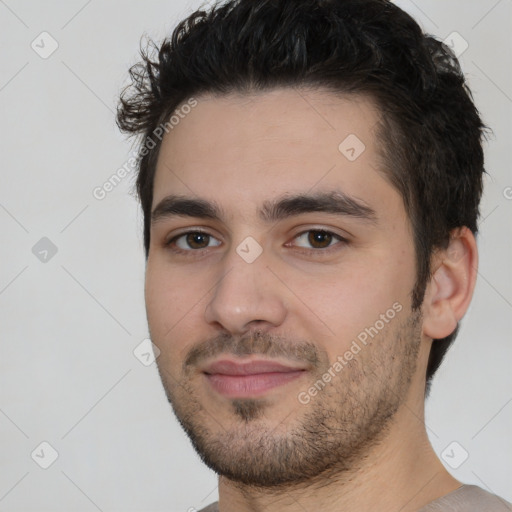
268 143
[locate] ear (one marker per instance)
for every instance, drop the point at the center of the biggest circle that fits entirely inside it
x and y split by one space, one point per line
450 289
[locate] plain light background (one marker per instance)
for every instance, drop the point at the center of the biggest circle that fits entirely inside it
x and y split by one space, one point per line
69 325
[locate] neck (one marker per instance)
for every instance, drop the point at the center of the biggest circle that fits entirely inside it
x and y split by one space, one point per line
402 472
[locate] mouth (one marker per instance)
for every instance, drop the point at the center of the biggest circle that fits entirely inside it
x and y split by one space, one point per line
254 378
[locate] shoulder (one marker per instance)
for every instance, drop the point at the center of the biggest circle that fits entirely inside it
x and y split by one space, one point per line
468 498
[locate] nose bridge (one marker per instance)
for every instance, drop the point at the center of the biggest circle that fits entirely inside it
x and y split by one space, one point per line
245 295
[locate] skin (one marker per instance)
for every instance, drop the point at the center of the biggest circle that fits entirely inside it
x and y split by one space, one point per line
360 443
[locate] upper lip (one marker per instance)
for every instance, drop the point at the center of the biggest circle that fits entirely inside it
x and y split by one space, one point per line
230 367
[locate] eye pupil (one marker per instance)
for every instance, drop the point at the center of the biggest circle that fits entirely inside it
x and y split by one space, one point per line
198 240
320 239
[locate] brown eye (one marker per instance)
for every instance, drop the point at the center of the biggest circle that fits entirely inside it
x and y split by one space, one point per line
317 239
193 240
320 239
197 240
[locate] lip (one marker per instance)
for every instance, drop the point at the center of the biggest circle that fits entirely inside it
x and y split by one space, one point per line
252 378
254 367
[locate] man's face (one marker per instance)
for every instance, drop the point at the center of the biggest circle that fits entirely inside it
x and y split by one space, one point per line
281 305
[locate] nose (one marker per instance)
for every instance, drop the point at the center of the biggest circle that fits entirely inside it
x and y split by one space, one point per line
246 297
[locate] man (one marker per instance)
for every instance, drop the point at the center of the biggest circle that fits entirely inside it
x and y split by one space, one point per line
310 173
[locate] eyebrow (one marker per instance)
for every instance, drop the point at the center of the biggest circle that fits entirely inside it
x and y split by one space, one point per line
180 206
335 202
327 202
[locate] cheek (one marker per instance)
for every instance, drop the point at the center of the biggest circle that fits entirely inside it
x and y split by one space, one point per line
337 308
172 306
343 303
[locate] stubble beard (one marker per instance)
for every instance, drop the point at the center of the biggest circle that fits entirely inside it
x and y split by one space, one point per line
330 436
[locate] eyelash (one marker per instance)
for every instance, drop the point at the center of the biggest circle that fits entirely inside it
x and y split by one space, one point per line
304 250
337 239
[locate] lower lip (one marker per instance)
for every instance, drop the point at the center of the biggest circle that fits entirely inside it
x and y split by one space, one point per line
250 385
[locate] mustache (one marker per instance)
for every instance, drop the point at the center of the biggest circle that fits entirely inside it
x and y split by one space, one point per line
260 343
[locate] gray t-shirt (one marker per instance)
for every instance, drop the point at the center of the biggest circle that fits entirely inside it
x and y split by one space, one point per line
467 498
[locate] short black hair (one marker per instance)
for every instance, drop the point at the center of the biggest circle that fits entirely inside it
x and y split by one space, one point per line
431 132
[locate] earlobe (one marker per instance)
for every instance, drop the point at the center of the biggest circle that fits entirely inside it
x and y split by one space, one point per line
451 286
